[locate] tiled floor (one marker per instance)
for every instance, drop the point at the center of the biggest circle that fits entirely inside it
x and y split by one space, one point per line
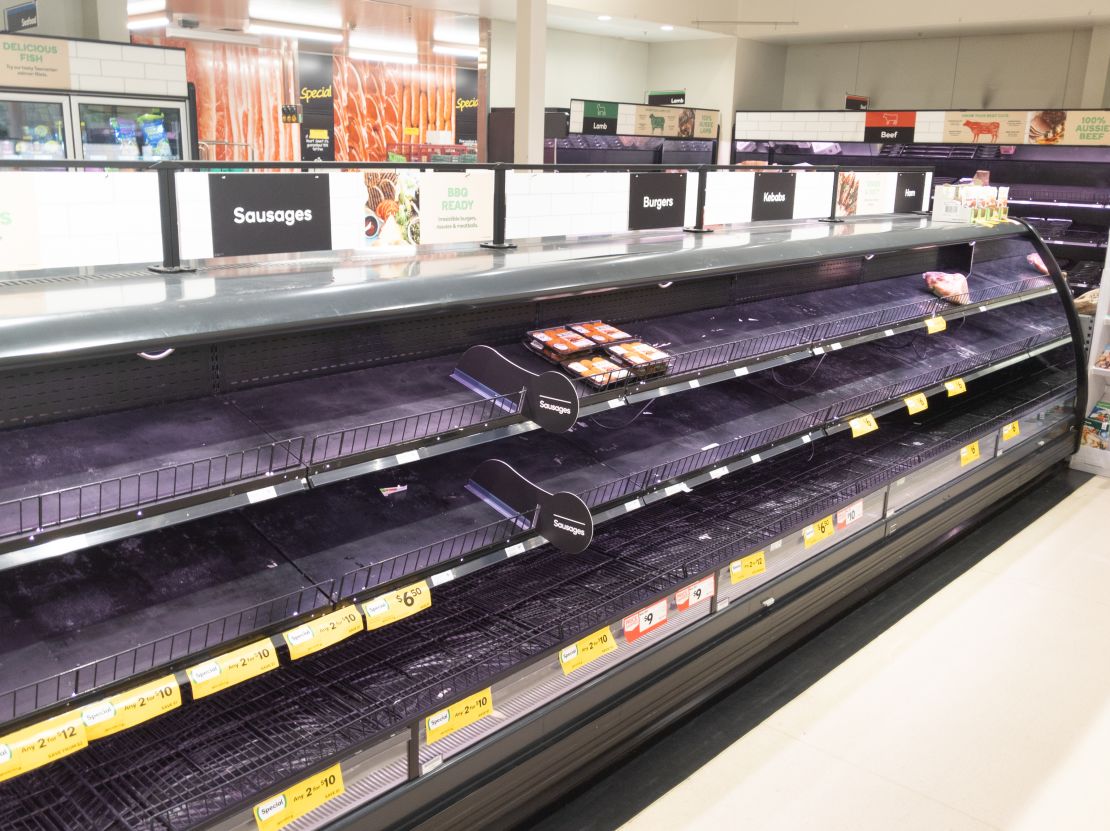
973 694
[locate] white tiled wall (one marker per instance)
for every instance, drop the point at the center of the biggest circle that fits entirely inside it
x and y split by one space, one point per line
121 67
930 126
83 218
815 125
565 204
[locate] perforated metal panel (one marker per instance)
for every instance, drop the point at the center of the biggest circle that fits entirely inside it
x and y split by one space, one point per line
52 392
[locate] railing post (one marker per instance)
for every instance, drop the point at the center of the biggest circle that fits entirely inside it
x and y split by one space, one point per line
832 217
167 208
699 212
414 751
498 211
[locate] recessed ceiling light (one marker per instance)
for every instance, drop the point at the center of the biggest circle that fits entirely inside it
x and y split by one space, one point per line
604 17
382 57
667 28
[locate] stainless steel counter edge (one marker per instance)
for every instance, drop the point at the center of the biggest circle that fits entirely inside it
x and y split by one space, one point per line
76 313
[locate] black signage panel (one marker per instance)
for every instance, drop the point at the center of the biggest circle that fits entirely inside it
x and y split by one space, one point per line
773 197
599 126
666 99
656 200
900 135
314 78
910 192
269 213
23 16
466 104
317 137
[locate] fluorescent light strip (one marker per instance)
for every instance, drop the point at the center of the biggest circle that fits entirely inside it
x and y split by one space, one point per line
457 51
156 22
267 27
381 44
145 6
382 57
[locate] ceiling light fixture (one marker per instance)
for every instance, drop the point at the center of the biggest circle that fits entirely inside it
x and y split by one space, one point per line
457 51
215 37
373 43
269 27
155 21
667 27
382 57
605 18
145 6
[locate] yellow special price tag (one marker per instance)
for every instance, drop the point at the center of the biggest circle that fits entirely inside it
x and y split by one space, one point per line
969 454
232 668
41 743
916 403
323 631
588 649
862 425
296 801
955 387
1011 430
935 324
459 715
820 530
397 605
745 567
134 706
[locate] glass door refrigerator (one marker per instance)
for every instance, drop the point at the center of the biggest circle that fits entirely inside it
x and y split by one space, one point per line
34 126
121 129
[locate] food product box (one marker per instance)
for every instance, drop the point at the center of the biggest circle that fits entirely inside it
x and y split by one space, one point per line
599 332
558 344
597 371
1096 427
643 358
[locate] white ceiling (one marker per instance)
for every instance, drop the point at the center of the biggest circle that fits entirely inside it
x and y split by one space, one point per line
816 20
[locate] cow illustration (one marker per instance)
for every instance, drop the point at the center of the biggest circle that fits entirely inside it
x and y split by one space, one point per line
983 128
658 122
890 119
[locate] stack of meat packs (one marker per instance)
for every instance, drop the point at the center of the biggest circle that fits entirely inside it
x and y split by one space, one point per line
600 354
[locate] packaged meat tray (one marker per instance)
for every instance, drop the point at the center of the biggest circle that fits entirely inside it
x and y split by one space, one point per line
558 344
597 371
644 359
600 332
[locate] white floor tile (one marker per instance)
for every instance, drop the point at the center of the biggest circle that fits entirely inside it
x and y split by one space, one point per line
987 706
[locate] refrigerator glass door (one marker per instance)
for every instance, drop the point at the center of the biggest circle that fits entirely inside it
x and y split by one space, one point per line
118 129
33 126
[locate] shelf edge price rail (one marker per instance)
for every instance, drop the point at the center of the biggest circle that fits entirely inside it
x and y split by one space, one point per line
232 668
323 632
40 744
299 799
397 605
462 713
131 707
745 567
586 650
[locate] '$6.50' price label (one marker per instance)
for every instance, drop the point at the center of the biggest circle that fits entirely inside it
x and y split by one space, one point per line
820 530
397 604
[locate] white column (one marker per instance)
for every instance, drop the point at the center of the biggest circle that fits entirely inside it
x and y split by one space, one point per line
1096 91
531 54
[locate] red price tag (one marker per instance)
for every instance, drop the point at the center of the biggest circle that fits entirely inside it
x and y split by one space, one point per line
694 593
646 620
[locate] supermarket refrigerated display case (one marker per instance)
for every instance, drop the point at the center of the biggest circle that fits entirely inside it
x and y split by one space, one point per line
310 458
120 129
34 126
